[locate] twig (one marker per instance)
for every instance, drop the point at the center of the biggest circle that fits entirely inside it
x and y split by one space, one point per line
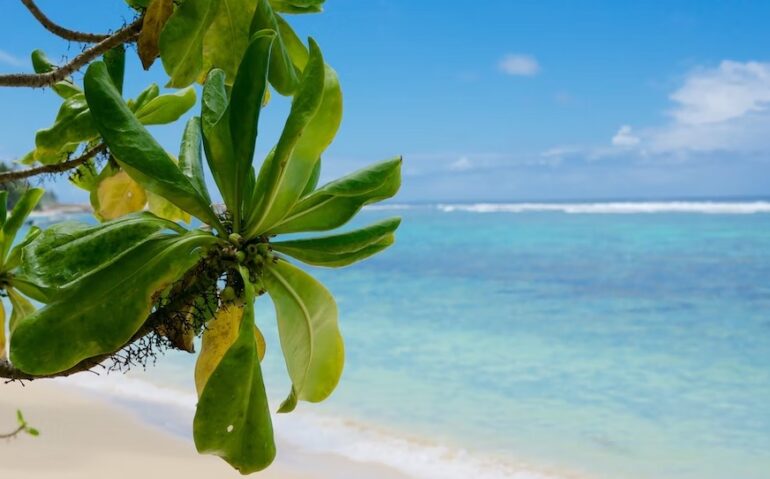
12 434
60 31
9 176
38 80
10 372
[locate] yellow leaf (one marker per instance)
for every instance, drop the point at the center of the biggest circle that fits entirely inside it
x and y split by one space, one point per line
261 345
119 195
154 20
266 98
221 332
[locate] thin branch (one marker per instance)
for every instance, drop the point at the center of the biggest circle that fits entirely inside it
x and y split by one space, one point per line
60 31
12 434
9 176
10 372
38 80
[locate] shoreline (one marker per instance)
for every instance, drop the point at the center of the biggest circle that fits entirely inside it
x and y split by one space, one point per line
135 422
85 435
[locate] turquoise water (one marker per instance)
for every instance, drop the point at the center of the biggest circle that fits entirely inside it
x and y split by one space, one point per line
615 345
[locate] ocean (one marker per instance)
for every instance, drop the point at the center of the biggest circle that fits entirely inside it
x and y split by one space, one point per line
601 340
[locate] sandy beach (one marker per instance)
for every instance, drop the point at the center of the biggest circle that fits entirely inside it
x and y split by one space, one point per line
87 437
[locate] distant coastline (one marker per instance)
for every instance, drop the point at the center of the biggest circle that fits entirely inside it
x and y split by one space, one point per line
55 209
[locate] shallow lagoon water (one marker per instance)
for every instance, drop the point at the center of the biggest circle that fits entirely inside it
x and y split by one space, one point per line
629 345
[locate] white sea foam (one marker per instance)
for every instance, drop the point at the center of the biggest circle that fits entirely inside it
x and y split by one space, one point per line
389 207
311 433
703 207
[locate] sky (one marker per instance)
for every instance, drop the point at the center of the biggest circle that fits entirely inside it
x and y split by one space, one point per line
498 100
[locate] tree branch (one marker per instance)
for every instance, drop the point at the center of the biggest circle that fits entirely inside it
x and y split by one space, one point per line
9 176
12 434
10 372
60 31
39 80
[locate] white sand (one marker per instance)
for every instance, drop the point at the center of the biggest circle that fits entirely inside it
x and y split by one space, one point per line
84 437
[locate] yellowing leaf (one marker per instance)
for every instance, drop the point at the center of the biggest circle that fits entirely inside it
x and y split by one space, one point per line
221 332
154 20
21 308
261 345
228 36
119 195
308 329
163 208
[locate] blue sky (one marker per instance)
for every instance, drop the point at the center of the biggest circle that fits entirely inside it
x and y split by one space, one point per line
507 101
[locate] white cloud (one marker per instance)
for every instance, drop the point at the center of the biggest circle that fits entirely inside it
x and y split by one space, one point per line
519 65
462 164
730 91
719 109
11 60
725 108
625 138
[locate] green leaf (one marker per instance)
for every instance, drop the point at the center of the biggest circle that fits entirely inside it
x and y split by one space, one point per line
190 158
32 431
307 326
3 207
138 4
298 6
215 123
228 36
14 259
72 127
232 419
101 311
22 308
290 403
145 96
181 41
20 418
41 64
296 50
341 249
244 109
137 151
284 174
335 203
115 60
312 182
166 108
21 210
283 75
68 251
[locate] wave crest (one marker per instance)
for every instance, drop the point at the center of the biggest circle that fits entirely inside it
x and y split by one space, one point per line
642 207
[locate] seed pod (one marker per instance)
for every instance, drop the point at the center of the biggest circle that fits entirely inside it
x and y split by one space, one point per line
240 256
251 249
235 238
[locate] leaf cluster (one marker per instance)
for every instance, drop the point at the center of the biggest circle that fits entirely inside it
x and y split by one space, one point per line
141 271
